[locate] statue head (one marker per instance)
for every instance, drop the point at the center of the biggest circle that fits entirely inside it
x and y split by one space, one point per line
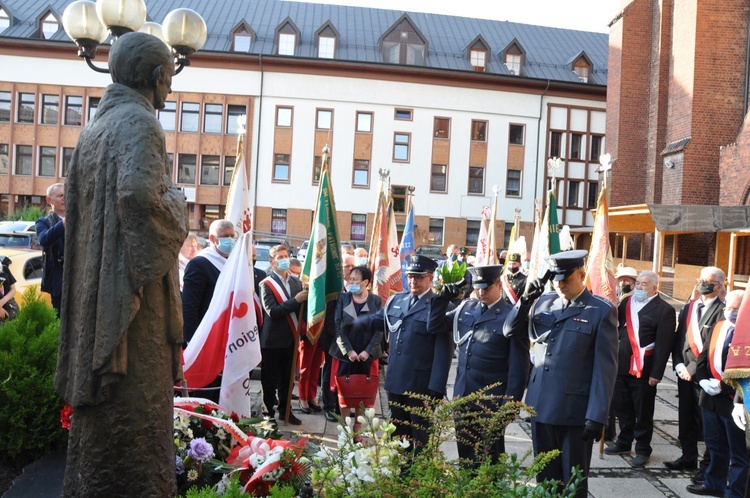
144 63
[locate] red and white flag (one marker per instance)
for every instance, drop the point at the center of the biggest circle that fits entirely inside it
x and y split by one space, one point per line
227 337
395 283
380 271
238 209
600 271
483 240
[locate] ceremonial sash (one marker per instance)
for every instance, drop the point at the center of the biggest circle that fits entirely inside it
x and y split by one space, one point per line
695 341
280 292
512 296
718 337
214 257
632 324
258 310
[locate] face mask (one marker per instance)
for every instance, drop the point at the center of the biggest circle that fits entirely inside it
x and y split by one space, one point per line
361 261
513 270
730 316
355 288
527 264
453 257
705 288
640 295
282 264
225 245
626 288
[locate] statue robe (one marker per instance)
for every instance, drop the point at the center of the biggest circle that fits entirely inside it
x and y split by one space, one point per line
121 314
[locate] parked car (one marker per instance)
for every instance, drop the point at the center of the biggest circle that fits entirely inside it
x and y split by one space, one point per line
26 267
19 239
263 260
269 243
433 252
17 226
302 253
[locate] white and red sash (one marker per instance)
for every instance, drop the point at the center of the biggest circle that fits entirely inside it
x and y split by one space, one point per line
716 348
632 324
280 293
258 309
695 341
512 296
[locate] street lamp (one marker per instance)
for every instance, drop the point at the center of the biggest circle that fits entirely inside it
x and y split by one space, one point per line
87 23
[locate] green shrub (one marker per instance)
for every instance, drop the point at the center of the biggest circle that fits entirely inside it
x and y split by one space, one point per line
29 408
27 213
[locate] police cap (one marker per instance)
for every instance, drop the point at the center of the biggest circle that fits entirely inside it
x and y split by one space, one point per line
419 265
563 263
484 276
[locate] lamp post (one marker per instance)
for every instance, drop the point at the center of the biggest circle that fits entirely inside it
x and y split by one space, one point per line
88 25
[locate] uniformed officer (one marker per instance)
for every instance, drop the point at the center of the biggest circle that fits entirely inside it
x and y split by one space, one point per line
575 365
486 357
514 279
420 356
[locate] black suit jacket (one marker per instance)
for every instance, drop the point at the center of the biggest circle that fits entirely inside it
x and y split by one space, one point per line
722 403
199 282
681 353
276 332
656 324
345 315
52 239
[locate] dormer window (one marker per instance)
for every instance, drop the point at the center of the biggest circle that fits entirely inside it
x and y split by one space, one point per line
287 36
4 20
582 70
325 39
404 43
242 38
50 26
513 63
513 57
478 50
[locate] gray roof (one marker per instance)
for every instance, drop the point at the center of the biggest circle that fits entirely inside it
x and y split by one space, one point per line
549 52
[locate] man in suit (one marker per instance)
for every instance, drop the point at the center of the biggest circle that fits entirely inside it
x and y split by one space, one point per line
514 279
282 295
694 324
420 356
647 325
575 365
50 230
485 357
727 472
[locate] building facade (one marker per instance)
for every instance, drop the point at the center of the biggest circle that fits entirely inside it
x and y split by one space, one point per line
449 106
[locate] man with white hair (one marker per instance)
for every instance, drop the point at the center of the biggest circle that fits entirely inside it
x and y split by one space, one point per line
646 331
694 325
50 230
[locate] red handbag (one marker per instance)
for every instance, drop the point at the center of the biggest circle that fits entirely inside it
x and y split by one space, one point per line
354 389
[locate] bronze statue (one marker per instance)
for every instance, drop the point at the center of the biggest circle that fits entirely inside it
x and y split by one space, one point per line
121 315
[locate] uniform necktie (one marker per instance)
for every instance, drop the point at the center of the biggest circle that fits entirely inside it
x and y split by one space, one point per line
413 301
484 309
700 310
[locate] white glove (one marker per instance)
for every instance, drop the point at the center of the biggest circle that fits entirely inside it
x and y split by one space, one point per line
679 368
711 386
738 414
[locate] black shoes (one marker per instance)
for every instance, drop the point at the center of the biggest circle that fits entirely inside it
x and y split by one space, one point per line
700 489
681 464
305 410
314 406
331 417
698 478
294 420
616 449
639 461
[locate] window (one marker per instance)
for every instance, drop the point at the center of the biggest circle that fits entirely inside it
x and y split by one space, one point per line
401 147
479 131
73 110
403 44
506 233
32 268
439 178
210 170
359 226
515 134
442 128
229 163
513 183
403 114
575 145
241 40
23 160
50 26
573 187
476 180
281 168
326 47
278 221
596 147
284 116
324 119
513 63
167 115
47 161
3 159
186 168
472 232
190 114
212 118
582 71
170 161
25 107
478 59
67 156
4 106
317 167
436 231
4 20
287 42
364 122
93 106
593 196
50 109
361 173
398 194
555 144
235 114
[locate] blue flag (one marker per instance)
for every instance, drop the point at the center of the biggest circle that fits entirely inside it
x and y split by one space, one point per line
407 244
